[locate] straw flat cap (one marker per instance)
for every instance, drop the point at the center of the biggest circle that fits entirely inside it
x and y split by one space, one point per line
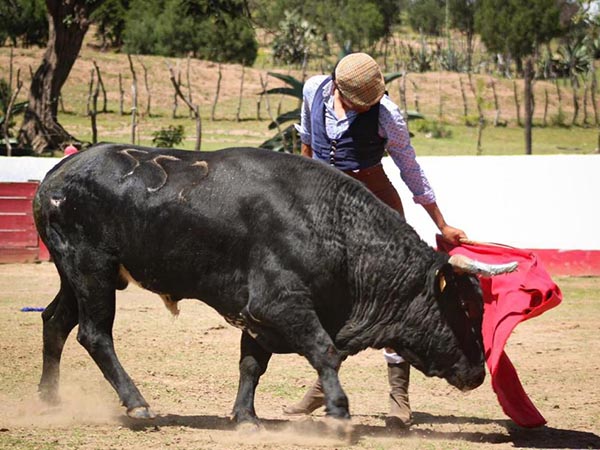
359 79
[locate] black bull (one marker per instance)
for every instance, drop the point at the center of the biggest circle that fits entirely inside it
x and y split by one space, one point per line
299 256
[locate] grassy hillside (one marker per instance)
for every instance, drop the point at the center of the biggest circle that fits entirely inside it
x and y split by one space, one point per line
430 92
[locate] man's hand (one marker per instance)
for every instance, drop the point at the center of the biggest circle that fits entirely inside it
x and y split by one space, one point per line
454 235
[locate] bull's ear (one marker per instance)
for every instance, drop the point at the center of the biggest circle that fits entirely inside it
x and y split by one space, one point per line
441 281
443 276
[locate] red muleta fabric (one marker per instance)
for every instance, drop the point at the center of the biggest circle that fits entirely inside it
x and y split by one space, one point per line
508 300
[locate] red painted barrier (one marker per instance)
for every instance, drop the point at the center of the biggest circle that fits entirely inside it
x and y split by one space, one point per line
19 241
570 262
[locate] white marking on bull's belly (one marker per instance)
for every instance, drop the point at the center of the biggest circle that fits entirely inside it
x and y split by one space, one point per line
236 321
56 202
240 323
170 304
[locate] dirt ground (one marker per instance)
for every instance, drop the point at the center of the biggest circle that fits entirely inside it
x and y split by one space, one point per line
186 367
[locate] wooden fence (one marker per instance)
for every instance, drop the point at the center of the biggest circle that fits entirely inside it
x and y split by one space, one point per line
19 240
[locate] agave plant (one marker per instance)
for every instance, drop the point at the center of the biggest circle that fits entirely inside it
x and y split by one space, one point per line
287 139
574 57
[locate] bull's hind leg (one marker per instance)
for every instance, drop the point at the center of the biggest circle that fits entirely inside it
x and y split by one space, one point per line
95 293
253 363
59 318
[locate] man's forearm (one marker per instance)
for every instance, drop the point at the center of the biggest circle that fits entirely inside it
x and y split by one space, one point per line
436 215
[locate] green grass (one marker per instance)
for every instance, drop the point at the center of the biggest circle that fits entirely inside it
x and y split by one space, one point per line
224 131
252 132
508 141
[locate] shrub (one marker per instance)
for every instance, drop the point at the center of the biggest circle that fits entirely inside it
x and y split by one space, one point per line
168 137
472 120
432 129
559 119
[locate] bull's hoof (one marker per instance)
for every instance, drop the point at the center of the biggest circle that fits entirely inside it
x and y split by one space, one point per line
244 419
141 413
341 428
248 427
50 397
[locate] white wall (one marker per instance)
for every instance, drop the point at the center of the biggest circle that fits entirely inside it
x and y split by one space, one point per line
543 202
25 168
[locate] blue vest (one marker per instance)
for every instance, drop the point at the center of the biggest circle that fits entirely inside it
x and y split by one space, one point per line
358 148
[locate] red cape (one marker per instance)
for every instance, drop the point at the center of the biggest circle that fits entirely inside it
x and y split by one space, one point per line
508 300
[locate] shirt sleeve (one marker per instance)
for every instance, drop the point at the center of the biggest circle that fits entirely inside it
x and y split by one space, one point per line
308 94
393 128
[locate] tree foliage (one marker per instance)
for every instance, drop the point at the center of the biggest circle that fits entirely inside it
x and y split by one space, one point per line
361 27
181 27
462 15
110 22
23 22
354 25
517 28
427 16
462 18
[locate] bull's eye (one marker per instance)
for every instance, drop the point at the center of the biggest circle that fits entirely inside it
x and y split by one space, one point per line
464 305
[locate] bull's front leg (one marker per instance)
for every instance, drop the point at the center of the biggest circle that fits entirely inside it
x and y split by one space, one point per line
292 317
326 359
253 363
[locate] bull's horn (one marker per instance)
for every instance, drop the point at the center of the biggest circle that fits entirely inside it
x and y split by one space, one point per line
480 268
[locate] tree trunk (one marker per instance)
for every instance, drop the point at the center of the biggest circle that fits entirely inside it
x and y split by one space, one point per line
469 51
416 88
11 102
517 106
239 107
68 23
575 85
546 101
217 90
134 100
528 103
195 109
496 102
101 86
593 88
464 98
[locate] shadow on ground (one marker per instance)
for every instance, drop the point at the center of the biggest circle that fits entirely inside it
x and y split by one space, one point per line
542 437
